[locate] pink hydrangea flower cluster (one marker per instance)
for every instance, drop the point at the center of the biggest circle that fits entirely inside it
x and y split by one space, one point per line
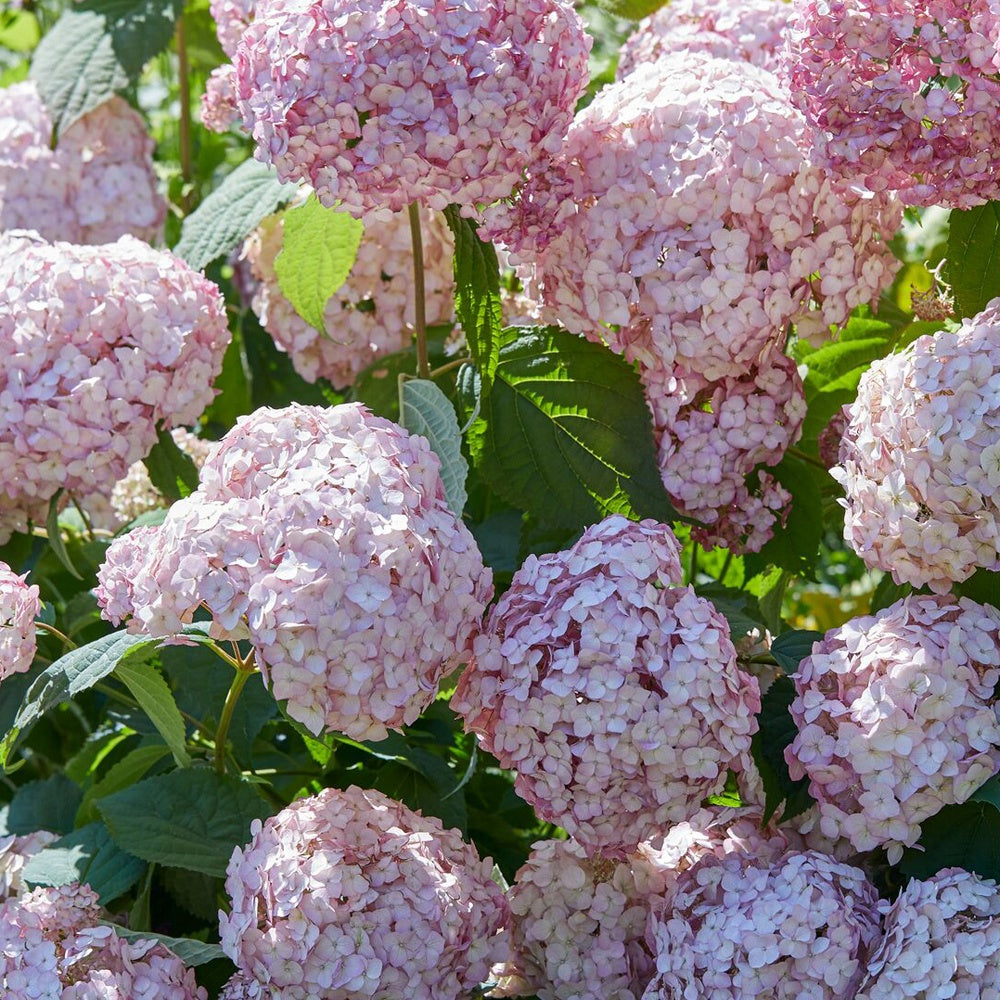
920 459
600 683
326 533
15 852
941 939
905 93
740 927
101 344
380 103
54 947
897 717
684 208
745 30
371 315
96 185
350 894
712 435
218 104
19 607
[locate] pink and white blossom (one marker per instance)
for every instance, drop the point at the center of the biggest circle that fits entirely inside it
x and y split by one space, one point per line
19 607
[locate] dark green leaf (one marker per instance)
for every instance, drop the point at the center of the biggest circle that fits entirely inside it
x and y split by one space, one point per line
983 587
189 819
218 225
792 646
965 836
44 805
96 49
477 292
171 470
86 855
125 772
151 691
54 533
191 952
887 592
989 792
564 431
740 608
973 268
197 892
378 385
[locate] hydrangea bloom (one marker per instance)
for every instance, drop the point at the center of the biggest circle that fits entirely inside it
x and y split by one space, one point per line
218 104
380 103
897 717
372 313
100 344
15 852
941 939
52 947
599 683
905 92
920 459
96 185
684 208
741 927
19 607
712 435
746 30
326 533
349 894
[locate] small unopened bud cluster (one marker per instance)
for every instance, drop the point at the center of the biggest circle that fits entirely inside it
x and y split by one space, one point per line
349 894
96 185
599 682
326 533
920 458
896 716
19 607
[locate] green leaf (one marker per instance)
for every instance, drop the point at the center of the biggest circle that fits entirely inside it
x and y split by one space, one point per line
633 9
378 385
191 952
792 646
318 250
86 855
989 792
887 592
171 471
54 533
218 225
964 836
564 431
777 730
769 588
189 819
79 670
477 292
427 410
740 608
19 31
125 772
96 49
973 268
50 805
149 688
983 587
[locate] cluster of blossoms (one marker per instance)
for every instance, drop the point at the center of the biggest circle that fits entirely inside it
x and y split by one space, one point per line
218 103
684 208
382 103
904 94
749 31
349 894
941 938
102 344
711 437
601 683
371 314
19 606
326 533
740 927
15 853
53 946
920 459
96 185
897 717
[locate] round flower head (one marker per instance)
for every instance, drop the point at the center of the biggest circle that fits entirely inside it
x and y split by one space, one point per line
683 207
101 344
326 534
905 93
896 717
712 435
371 315
218 104
15 853
941 939
53 946
349 894
96 185
615 696
741 927
19 607
380 103
744 30
920 458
